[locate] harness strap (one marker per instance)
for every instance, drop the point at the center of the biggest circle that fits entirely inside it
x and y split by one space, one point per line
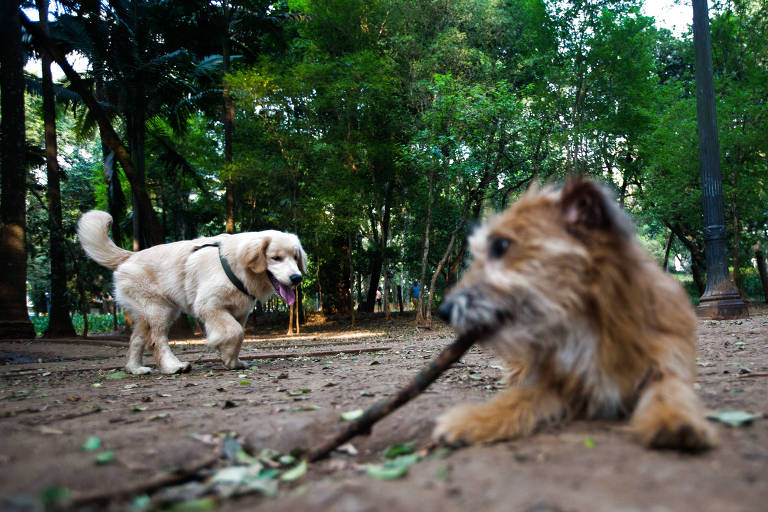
228 270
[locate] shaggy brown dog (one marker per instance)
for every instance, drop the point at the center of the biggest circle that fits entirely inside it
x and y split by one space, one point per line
587 322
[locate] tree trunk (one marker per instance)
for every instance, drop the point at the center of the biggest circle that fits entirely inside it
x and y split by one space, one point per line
374 270
738 279
698 263
108 133
437 272
760 260
351 281
425 250
59 322
136 143
228 115
666 251
14 318
384 238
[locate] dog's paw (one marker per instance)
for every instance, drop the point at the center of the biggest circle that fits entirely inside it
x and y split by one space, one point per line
238 364
177 367
687 436
463 424
138 370
676 431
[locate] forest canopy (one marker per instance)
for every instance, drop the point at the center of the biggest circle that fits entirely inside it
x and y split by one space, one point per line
380 131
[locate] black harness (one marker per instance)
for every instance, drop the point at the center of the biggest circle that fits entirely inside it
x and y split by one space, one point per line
228 270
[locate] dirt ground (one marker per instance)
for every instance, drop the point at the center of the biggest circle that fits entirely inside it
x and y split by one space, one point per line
169 435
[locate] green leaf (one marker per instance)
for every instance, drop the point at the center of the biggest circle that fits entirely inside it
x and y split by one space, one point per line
243 457
158 416
53 495
92 444
298 471
395 450
732 418
245 383
105 457
392 469
352 415
139 408
589 442
384 472
193 505
118 375
97 384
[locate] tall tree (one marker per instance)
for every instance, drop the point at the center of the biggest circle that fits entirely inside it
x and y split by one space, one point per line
14 318
59 321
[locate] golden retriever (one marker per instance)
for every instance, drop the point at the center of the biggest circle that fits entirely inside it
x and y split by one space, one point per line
215 279
585 319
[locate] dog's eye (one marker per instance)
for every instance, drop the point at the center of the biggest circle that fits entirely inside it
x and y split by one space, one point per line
498 247
277 258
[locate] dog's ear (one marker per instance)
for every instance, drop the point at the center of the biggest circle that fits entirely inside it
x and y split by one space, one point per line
301 260
256 256
587 206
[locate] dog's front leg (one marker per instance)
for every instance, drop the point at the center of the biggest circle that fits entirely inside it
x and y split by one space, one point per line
514 412
225 334
669 415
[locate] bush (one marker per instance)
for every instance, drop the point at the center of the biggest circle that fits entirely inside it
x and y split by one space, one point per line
751 285
96 323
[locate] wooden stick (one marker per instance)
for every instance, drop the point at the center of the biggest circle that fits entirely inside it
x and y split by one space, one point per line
753 374
419 383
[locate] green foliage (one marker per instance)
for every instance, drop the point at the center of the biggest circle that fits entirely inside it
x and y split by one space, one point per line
96 323
352 116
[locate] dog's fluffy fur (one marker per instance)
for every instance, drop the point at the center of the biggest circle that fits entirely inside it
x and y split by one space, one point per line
158 283
587 323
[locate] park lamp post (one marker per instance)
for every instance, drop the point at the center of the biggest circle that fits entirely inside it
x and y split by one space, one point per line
721 298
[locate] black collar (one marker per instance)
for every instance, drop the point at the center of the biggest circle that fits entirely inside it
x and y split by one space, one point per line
228 270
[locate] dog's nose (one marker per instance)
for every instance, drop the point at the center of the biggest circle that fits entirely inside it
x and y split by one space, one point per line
445 311
295 279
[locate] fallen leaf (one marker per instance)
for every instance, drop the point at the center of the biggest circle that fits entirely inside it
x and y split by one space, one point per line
44 429
105 457
589 442
97 384
352 415
158 416
53 495
296 472
117 375
392 469
396 450
92 444
732 418
139 408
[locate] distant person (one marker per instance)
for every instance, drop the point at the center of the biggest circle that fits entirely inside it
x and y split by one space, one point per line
415 290
379 307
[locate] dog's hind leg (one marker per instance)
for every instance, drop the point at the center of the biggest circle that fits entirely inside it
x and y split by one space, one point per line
136 348
514 412
162 318
225 333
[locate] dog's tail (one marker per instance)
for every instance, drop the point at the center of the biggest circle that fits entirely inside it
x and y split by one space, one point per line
92 231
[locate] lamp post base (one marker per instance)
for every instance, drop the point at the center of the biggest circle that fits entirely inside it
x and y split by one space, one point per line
722 306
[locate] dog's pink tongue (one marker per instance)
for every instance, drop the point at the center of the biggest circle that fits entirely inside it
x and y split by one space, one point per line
286 292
